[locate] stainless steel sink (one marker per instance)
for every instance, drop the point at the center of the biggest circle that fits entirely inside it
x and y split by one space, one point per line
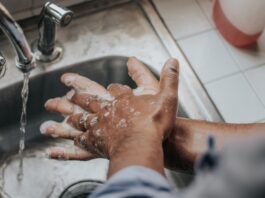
42 87
131 29
46 176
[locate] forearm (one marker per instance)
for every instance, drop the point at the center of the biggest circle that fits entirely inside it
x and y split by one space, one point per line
146 152
189 139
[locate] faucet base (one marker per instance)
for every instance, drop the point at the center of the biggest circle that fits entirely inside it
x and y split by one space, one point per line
56 55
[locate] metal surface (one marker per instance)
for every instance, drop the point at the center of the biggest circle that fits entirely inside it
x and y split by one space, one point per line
45 48
125 30
42 87
2 65
82 189
12 30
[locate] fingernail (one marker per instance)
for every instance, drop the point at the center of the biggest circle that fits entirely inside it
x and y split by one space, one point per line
68 79
54 100
45 126
50 129
70 94
46 103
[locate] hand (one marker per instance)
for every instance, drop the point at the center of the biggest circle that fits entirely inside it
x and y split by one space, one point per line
144 79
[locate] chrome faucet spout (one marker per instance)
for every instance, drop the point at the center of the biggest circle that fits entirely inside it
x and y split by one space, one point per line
24 61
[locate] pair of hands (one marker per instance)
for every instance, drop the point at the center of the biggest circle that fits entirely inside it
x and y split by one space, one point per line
104 122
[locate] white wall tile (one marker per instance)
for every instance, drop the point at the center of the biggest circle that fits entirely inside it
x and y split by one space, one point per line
249 57
256 77
208 56
207 7
236 100
183 17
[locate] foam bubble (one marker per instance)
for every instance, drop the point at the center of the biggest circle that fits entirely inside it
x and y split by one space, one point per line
106 114
122 123
138 91
45 125
94 121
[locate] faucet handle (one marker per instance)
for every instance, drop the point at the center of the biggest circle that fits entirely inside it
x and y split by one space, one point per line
60 15
46 48
2 65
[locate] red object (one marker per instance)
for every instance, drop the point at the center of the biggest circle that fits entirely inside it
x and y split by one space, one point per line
229 31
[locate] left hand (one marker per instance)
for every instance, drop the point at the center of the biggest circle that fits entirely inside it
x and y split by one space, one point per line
63 106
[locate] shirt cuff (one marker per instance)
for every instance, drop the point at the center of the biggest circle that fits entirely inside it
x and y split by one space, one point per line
135 181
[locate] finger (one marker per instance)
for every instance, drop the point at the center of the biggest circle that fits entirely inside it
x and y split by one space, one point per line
77 108
55 129
74 153
89 102
81 83
60 105
142 76
117 90
169 78
82 121
88 141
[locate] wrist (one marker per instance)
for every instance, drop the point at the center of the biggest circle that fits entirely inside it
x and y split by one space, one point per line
177 155
141 150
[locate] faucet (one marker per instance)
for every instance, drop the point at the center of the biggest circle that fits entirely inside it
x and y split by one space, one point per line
45 47
24 60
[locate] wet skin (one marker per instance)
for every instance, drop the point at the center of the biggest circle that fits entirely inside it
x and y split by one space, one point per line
183 139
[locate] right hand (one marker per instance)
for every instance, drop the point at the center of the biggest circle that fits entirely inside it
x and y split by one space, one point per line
143 78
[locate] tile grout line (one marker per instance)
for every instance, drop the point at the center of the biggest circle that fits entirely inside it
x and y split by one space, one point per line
225 45
254 90
195 34
222 78
205 15
227 49
231 54
219 78
241 71
254 67
211 27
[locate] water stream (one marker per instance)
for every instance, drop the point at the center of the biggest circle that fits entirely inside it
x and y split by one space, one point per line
23 123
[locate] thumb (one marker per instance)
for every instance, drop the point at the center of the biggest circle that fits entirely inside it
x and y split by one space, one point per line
169 78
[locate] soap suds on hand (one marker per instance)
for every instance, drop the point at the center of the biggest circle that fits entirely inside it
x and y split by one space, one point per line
138 91
137 113
106 114
122 123
94 121
45 125
107 97
98 132
103 104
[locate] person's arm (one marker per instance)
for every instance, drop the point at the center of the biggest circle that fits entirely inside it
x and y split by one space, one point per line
181 148
145 151
188 140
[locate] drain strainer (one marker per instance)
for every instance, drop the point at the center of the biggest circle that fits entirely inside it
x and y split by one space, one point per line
80 189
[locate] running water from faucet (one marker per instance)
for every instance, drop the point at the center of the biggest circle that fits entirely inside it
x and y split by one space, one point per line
23 123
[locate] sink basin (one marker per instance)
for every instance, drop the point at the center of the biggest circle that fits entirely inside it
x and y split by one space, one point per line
46 177
42 87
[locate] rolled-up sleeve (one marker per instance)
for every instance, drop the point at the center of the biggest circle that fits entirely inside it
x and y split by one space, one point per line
135 181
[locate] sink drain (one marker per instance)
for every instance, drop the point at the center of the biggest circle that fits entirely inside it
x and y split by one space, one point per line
80 189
